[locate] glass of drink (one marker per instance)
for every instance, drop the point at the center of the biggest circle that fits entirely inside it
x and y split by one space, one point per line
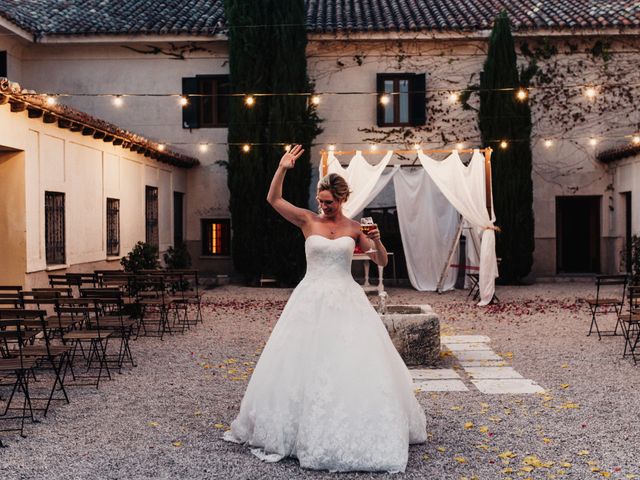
366 225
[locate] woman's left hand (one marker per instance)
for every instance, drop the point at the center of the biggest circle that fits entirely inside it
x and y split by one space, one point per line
374 234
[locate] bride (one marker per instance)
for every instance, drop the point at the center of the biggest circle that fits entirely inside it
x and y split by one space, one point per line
329 389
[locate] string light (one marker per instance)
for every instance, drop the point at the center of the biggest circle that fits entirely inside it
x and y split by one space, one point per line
246 148
593 141
454 97
459 146
385 99
503 144
590 93
373 147
203 147
161 147
117 101
416 146
51 100
522 94
548 143
184 101
635 139
332 148
249 100
287 148
315 99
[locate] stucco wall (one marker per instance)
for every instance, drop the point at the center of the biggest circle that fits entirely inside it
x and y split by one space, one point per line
567 168
87 171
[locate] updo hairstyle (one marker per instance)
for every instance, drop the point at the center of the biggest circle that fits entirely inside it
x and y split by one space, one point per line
336 185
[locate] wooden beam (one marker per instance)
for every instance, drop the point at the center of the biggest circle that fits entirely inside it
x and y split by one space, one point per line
487 178
86 131
76 127
64 123
49 117
118 141
126 144
3 99
108 138
147 152
34 112
98 134
17 106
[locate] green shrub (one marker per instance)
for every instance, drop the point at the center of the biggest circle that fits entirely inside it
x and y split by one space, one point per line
177 257
143 256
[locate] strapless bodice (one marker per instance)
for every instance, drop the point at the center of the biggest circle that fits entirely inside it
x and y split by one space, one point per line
329 258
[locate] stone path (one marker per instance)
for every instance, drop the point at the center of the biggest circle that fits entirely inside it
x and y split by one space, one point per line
481 367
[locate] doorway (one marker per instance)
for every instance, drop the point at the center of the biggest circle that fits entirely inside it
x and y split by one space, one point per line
578 234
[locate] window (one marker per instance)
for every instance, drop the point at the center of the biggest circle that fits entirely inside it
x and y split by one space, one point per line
216 237
151 216
113 226
208 105
3 64
178 218
406 99
54 228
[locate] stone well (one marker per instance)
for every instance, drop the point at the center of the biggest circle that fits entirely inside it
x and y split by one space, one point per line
415 332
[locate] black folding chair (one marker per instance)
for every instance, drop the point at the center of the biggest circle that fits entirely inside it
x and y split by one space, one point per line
630 323
610 294
13 335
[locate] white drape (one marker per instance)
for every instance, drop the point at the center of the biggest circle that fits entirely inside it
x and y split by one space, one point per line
428 226
362 178
464 187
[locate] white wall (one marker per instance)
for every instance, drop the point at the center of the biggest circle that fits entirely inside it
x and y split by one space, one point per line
87 171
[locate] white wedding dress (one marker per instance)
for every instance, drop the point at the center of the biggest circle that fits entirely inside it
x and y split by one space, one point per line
330 388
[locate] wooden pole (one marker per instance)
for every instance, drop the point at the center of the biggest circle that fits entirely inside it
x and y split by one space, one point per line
325 166
487 178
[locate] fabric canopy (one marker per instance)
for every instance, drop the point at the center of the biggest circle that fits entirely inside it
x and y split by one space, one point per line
427 201
428 227
362 178
464 187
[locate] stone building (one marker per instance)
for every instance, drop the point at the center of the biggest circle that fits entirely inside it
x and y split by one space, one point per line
584 190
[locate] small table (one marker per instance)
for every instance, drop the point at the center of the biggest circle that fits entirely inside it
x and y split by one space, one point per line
363 257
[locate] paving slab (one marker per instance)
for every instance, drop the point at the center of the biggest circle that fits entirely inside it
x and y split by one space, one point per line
459 347
508 386
441 386
434 374
491 372
477 355
484 363
464 339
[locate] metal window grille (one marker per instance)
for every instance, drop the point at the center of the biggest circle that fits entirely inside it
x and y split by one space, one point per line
178 218
113 226
151 216
54 228
216 237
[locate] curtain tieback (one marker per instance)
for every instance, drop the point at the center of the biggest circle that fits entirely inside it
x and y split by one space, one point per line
493 227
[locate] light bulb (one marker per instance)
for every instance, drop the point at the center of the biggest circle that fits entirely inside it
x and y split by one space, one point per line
522 94
503 144
162 147
117 101
246 147
204 147
548 143
315 99
249 100
184 101
51 100
454 97
385 99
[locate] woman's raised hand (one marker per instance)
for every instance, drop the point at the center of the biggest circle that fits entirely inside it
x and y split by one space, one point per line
288 160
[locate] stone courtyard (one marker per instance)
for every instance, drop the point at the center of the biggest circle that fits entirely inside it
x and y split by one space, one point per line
520 392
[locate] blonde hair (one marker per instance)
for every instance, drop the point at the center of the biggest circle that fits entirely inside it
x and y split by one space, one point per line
336 185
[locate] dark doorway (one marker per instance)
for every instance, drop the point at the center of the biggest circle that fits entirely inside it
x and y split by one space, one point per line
627 229
578 234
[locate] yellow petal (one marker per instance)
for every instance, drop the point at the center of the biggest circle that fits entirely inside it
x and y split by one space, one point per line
592 463
507 454
507 470
468 425
441 449
582 453
605 474
456 408
546 440
527 469
219 426
153 424
564 385
425 457
565 465
483 429
177 444
460 459
595 469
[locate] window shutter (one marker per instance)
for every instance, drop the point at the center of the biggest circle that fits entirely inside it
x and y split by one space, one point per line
417 87
379 106
190 111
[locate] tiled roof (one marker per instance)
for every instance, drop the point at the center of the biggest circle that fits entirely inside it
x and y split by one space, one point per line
206 17
618 153
19 100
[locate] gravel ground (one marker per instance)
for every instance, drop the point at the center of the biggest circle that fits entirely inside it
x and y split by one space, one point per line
165 418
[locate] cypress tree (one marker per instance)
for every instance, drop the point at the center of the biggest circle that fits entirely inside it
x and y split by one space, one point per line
503 117
267 54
